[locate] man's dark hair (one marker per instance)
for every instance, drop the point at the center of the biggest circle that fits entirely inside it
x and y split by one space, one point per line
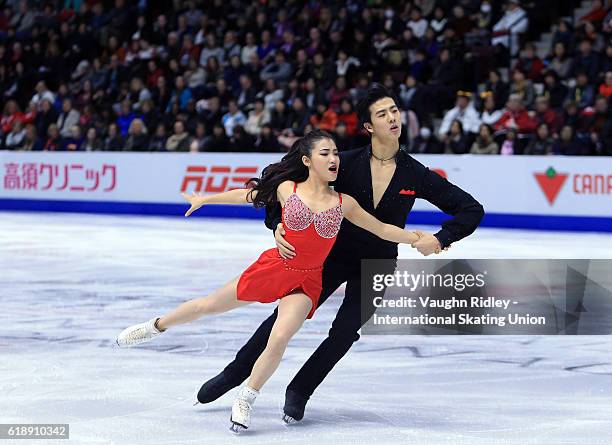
375 93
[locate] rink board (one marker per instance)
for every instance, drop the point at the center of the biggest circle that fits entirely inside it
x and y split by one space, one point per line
540 192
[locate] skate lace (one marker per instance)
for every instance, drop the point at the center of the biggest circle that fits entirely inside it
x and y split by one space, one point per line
244 407
136 334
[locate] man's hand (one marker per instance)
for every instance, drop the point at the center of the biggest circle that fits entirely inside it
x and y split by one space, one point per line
285 249
427 243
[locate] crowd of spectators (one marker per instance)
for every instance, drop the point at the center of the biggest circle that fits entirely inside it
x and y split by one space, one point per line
214 75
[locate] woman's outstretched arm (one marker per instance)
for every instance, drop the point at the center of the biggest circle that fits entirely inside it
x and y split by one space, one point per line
238 196
355 214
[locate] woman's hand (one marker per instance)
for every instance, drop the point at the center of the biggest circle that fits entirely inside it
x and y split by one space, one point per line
427 243
196 200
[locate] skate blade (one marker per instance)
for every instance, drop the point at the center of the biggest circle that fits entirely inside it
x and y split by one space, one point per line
236 428
120 345
128 345
288 420
195 396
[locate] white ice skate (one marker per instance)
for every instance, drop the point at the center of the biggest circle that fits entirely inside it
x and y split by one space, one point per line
139 333
241 409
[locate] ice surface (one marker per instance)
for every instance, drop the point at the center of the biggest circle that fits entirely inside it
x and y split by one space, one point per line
71 282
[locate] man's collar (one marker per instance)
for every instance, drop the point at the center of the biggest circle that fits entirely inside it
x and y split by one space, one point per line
401 153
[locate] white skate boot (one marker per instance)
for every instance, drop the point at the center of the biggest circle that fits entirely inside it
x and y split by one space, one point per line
241 409
139 333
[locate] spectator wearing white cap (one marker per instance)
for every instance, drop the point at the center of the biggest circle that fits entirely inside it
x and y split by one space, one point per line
464 112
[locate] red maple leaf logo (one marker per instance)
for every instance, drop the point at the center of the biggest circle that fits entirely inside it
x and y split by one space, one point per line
551 183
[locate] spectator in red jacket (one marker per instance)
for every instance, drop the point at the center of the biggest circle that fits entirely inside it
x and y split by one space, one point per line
530 63
325 118
515 117
349 117
29 116
595 15
605 89
338 93
596 119
10 115
544 114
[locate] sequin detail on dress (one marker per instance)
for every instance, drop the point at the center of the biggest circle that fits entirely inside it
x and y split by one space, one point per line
298 217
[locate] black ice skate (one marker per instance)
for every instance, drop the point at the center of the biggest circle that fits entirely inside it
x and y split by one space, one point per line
295 404
215 388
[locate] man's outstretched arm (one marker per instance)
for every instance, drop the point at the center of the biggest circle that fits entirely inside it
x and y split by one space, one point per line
467 212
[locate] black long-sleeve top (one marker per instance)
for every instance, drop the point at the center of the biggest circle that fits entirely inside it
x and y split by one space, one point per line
355 179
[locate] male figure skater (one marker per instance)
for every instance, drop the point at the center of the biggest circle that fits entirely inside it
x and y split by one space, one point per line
385 180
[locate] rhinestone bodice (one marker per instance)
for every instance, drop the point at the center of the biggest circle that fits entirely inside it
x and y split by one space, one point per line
298 217
311 234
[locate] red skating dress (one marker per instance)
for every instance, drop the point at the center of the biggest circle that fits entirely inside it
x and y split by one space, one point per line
272 277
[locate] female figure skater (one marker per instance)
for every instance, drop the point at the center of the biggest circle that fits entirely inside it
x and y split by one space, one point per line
311 215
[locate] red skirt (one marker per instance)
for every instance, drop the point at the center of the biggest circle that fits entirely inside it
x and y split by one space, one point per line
270 278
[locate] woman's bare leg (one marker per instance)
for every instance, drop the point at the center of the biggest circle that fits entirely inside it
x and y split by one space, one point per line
292 311
221 300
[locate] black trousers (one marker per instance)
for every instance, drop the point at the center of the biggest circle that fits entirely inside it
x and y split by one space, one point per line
342 335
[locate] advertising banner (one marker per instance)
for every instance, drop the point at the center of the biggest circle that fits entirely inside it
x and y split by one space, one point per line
516 191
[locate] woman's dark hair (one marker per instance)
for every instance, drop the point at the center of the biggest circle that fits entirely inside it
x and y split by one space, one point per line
348 102
489 129
497 73
537 137
459 123
290 168
553 74
375 93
